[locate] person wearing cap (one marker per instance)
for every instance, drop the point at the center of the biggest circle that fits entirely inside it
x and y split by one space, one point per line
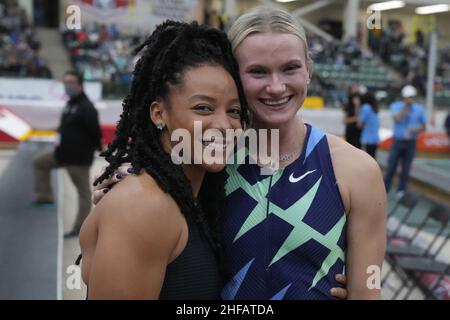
409 121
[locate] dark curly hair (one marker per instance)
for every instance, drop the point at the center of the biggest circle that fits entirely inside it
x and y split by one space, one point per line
172 48
370 99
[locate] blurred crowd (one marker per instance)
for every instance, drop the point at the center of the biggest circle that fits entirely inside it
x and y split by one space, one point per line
101 52
20 54
410 60
340 64
347 53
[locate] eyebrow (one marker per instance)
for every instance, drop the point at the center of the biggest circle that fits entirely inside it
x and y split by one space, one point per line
210 99
256 65
202 97
294 61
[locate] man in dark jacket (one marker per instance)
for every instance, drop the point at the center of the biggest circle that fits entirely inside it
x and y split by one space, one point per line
78 137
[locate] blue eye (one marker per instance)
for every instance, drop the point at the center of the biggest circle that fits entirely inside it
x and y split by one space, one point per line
293 67
257 71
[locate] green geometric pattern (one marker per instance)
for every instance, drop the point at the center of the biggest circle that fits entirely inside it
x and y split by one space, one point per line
301 233
258 214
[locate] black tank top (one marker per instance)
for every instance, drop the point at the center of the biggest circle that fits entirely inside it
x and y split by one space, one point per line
194 274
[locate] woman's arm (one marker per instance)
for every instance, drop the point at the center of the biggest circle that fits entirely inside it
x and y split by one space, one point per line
366 233
136 239
362 118
349 120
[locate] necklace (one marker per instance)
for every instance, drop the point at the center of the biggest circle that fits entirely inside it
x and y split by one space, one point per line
286 157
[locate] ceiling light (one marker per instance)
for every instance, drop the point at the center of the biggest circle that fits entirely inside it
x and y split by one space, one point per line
388 5
433 9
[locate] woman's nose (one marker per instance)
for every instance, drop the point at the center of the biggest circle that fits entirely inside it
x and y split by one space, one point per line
221 122
276 86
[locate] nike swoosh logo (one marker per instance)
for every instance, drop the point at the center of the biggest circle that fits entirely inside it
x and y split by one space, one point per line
295 180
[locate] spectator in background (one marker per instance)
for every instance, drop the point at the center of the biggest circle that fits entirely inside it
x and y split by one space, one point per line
416 78
19 51
370 124
420 38
351 113
447 125
113 32
79 136
100 53
409 121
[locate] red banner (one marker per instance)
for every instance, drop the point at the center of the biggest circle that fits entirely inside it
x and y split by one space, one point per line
428 142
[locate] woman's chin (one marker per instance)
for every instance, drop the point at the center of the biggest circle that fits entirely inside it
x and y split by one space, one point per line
213 167
275 119
215 161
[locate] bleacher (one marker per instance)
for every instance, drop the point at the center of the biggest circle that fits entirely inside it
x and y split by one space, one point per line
442 89
339 65
411 61
102 53
19 50
369 73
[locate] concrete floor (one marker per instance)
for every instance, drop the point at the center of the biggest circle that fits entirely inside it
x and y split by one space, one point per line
71 246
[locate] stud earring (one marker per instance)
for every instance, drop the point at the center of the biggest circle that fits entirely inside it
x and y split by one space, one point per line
160 126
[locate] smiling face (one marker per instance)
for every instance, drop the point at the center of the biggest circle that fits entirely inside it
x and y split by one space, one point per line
274 75
207 94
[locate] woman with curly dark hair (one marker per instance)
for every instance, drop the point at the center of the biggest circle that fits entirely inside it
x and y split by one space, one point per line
284 233
150 238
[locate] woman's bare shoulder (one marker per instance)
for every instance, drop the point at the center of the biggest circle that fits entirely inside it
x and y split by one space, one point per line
140 226
138 204
354 169
138 190
344 155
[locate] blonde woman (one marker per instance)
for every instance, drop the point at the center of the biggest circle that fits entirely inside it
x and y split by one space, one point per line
287 235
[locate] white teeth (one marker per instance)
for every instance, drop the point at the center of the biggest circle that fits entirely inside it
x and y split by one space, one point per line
275 102
216 145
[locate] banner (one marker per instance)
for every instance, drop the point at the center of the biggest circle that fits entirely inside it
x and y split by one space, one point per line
130 16
42 90
106 8
175 9
426 142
